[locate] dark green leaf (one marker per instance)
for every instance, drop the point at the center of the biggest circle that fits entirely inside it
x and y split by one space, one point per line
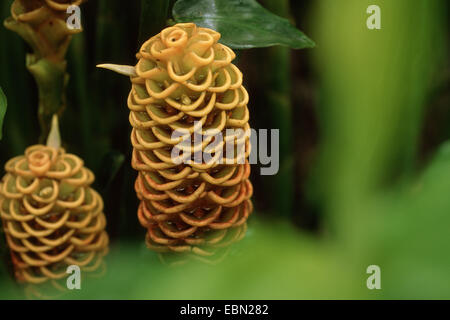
243 23
3 104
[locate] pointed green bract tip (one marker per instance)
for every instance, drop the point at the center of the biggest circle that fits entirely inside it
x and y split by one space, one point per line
54 137
120 69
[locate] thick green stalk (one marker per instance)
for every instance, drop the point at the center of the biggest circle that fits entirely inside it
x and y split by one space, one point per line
51 79
47 63
278 98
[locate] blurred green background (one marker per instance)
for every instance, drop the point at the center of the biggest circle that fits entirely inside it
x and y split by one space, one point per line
364 164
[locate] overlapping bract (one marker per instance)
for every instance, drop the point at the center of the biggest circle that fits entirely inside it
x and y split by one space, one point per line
186 83
43 24
51 217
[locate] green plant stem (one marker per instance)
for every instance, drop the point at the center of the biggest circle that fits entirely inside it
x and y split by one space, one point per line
51 79
48 66
278 97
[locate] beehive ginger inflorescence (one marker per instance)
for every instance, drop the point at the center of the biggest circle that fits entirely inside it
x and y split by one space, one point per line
51 216
185 81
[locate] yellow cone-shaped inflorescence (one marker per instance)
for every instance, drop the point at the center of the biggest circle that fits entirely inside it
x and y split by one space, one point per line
51 216
185 82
